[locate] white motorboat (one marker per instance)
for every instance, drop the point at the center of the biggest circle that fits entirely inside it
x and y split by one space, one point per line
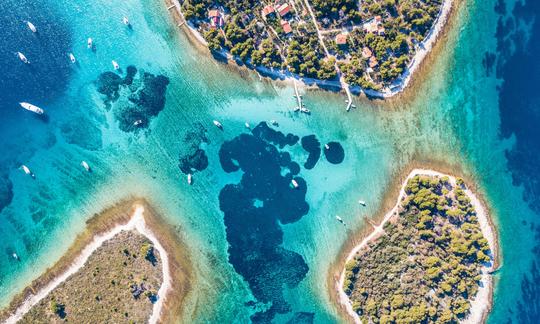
294 184
189 179
218 124
361 202
90 43
273 122
247 125
296 108
326 146
125 20
137 122
72 58
339 219
85 166
27 171
23 58
15 256
32 27
115 65
305 110
32 108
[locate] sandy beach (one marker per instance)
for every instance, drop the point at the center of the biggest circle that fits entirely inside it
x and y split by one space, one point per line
481 304
173 289
422 49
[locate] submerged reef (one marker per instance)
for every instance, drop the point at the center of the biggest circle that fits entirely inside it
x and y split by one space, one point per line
313 147
138 96
254 211
334 153
6 191
192 156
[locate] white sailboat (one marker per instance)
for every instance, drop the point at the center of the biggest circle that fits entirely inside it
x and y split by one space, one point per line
15 256
72 58
339 219
137 122
115 65
32 108
326 146
125 20
189 179
218 124
27 171
361 202
90 43
85 166
32 27
294 184
23 58
247 125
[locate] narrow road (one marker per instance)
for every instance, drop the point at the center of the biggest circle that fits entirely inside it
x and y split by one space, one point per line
344 84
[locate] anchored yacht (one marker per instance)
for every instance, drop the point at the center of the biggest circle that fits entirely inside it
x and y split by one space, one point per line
218 124
32 108
361 202
72 58
115 65
125 20
23 58
85 166
189 179
27 171
247 125
339 219
90 43
32 27
326 146
294 184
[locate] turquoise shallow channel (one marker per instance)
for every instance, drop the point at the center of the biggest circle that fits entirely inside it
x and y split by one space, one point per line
477 110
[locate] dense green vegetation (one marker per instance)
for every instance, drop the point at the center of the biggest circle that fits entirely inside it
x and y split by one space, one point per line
262 41
427 265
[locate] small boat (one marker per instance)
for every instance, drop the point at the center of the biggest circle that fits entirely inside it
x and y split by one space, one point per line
27 171
32 108
247 125
361 202
305 110
294 184
189 179
273 122
15 256
23 58
125 20
115 65
32 27
72 58
90 43
85 166
339 219
137 122
296 108
218 124
326 146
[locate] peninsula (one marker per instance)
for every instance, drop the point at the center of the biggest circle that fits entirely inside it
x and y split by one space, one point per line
372 46
116 271
428 261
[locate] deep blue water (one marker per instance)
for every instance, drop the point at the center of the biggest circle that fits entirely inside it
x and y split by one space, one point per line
254 211
518 66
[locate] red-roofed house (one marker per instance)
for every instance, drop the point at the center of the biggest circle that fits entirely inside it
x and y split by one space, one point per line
341 39
216 20
284 9
286 27
268 11
366 52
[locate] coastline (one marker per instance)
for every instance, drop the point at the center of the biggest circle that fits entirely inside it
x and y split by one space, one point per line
131 215
481 304
422 51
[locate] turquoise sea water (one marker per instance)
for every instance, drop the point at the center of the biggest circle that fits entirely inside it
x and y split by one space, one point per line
465 115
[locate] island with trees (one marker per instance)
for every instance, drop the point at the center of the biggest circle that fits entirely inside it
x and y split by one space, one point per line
116 271
428 261
367 45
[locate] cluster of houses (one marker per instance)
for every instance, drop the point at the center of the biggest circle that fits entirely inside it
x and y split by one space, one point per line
374 26
281 10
